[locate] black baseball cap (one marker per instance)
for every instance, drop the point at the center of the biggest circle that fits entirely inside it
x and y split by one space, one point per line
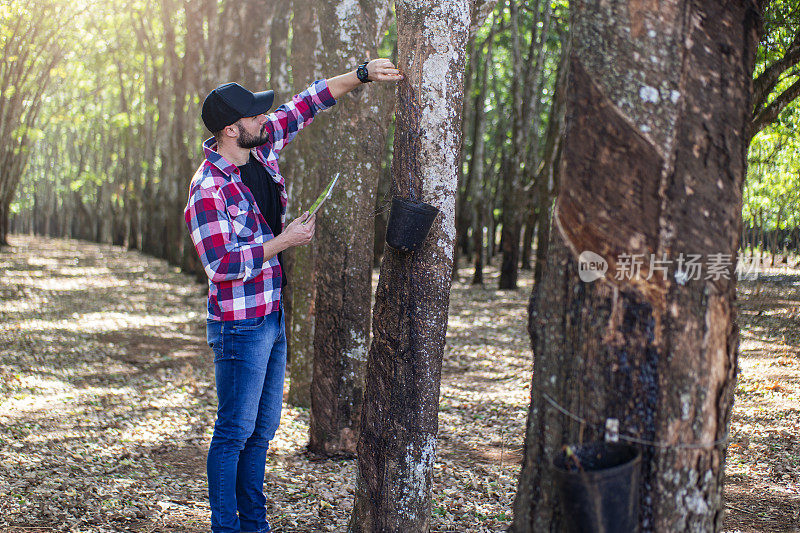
229 102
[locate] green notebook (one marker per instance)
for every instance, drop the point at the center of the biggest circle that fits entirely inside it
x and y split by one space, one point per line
323 196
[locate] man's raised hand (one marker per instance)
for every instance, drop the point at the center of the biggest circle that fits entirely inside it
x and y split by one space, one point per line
382 69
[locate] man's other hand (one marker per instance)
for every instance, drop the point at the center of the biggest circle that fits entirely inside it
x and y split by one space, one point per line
300 230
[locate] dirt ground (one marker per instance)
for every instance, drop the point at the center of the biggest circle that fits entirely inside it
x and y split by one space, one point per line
107 404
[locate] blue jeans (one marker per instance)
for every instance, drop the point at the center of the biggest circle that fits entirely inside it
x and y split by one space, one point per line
249 365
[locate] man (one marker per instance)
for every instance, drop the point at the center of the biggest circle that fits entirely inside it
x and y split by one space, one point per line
236 215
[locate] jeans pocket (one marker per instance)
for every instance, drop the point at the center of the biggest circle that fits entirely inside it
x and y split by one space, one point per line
247 324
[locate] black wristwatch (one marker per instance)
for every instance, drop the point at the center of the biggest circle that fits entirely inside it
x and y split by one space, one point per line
363 73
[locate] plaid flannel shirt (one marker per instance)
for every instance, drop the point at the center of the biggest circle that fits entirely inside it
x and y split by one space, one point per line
226 226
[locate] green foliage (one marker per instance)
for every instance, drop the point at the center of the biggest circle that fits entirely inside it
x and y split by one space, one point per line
772 189
781 23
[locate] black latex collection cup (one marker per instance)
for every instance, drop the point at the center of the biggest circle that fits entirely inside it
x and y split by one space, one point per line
603 497
409 224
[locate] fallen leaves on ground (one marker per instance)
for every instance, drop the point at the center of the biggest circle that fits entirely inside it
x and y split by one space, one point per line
107 404
762 488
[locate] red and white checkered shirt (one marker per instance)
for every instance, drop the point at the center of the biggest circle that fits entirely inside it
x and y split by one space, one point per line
226 226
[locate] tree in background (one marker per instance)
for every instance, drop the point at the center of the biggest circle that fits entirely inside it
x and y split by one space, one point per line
653 162
475 186
304 174
771 204
131 88
547 174
344 278
506 118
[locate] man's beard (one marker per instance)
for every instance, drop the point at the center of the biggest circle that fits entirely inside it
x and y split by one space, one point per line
248 141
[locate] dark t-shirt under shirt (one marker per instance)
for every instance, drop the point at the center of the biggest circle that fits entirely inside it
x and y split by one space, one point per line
267 196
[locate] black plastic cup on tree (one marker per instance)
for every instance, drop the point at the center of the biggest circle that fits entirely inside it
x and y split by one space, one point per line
598 485
409 223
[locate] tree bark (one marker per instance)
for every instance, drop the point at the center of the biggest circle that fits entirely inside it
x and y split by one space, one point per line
5 204
278 64
249 63
397 445
381 205
653 163
495 240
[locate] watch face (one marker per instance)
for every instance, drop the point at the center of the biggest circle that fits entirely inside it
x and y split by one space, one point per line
362 73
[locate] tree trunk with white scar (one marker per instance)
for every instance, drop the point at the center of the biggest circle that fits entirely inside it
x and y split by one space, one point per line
397 445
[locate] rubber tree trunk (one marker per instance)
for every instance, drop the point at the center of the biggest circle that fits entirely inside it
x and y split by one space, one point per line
5 204
250 68
467 147
653 162
397 445
477 164
511 216
278 45
527 237
345 230
381 205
